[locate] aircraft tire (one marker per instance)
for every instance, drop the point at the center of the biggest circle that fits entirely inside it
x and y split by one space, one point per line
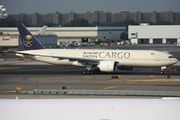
84 72
87 72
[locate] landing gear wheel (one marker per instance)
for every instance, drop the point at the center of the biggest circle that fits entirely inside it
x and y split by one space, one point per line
87 72
91 72
162 72
84 71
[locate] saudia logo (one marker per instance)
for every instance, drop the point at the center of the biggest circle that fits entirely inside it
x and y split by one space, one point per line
27 41
119 55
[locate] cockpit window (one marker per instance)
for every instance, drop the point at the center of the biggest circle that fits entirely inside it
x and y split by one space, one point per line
171 56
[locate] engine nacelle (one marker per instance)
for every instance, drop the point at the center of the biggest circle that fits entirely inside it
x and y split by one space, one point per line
125 68
107 66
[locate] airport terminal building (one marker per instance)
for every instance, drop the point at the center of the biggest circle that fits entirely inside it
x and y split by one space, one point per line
77 34
9 36
154 34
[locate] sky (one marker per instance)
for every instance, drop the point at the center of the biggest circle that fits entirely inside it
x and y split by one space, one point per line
82 6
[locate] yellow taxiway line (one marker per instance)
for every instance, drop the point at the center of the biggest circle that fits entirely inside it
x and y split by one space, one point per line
86 76
18 88
109 87
12 91
149 80
64 87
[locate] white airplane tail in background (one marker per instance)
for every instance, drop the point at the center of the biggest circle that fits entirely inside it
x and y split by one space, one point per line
42 31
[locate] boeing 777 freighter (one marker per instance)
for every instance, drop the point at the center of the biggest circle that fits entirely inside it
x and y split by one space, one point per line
94 60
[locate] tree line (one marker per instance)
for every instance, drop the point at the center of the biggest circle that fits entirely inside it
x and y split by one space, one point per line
79 23
12 23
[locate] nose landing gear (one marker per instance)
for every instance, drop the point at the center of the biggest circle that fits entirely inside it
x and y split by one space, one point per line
162 70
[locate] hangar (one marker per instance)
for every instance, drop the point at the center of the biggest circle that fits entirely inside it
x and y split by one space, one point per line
78 34
55 35
154 34
8 42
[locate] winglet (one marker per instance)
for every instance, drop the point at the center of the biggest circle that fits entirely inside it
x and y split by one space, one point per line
28 40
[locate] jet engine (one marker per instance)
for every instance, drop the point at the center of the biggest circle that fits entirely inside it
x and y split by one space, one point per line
108 66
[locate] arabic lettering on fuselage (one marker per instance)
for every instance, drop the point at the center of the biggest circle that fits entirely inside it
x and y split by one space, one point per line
119 55
90 54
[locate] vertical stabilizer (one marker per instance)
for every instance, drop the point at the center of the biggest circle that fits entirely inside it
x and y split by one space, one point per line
42 31
28 40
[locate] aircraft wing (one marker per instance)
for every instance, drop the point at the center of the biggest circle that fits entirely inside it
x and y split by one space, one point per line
71 58
81 60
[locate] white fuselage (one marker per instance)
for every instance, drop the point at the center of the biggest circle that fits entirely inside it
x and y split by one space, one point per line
146 58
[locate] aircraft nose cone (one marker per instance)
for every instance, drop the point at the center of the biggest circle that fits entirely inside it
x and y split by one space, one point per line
176 60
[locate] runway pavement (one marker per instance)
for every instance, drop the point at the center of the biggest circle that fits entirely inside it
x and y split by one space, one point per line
54 77
25 75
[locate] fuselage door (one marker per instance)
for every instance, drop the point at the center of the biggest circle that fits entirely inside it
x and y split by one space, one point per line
157 57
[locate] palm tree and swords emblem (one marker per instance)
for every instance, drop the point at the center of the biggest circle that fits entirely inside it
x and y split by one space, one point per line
27 41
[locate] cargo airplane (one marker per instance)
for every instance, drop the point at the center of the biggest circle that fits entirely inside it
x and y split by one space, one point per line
94 60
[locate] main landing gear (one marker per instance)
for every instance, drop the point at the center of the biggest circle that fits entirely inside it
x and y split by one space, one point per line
91 70
87 72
